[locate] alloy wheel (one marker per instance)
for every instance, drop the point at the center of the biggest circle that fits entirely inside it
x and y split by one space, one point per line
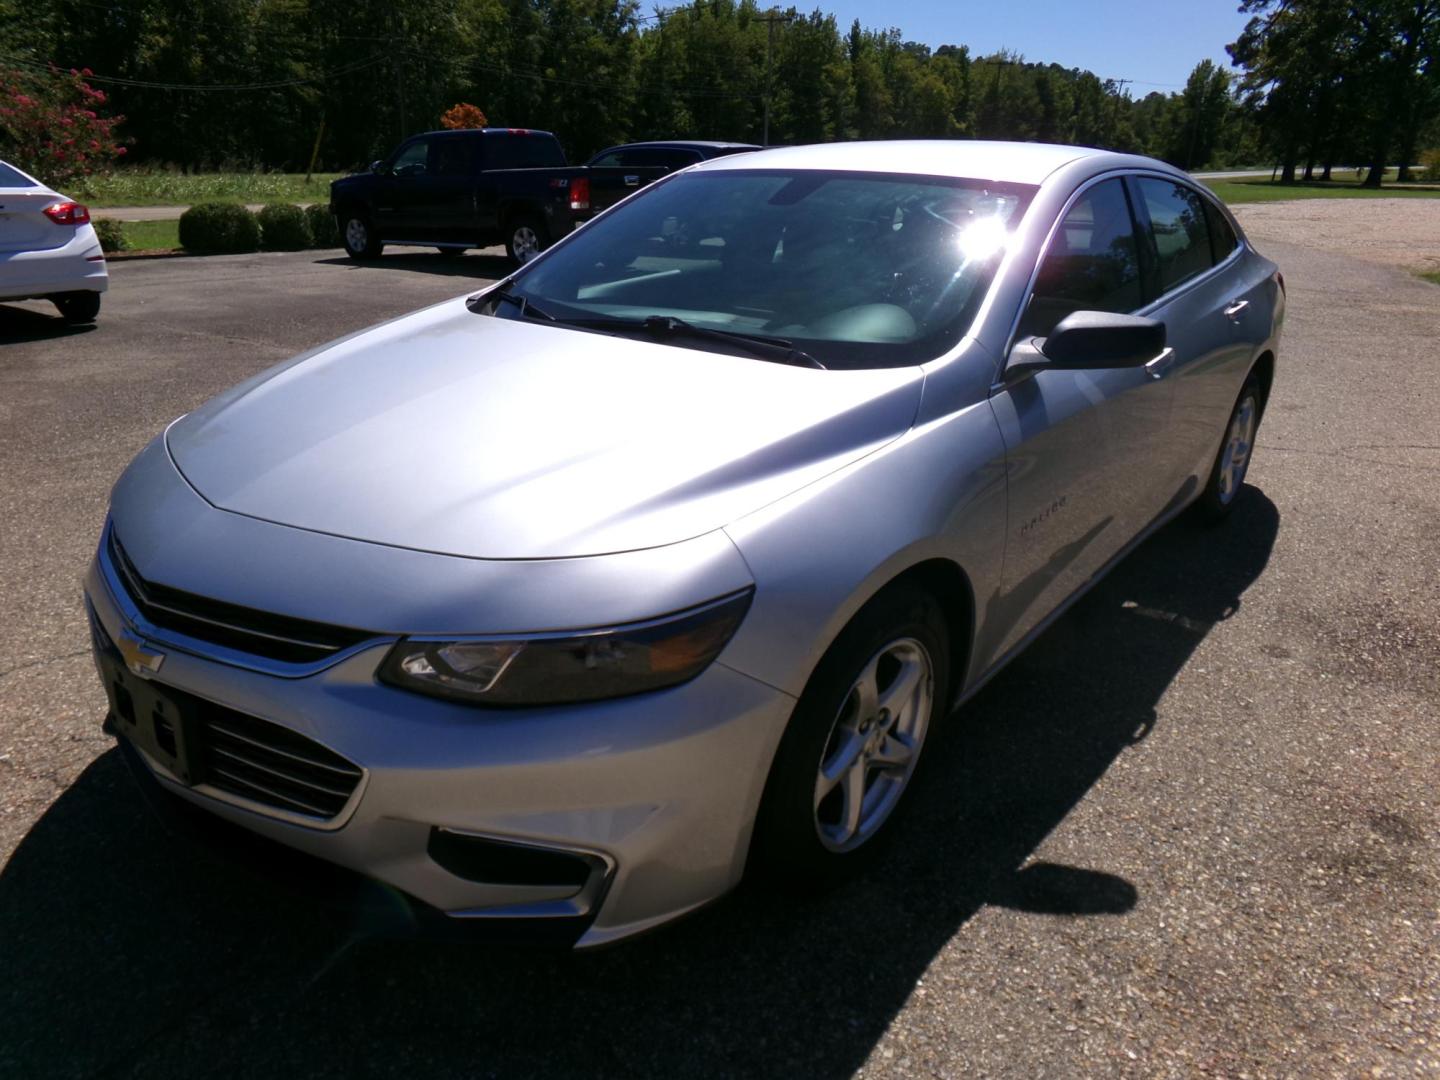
874 745
1235 458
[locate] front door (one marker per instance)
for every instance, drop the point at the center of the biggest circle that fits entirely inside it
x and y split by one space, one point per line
399 200
1081 446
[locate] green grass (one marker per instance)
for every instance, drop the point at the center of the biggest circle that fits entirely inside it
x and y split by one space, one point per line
1244 191
1432 276
126 187
152 235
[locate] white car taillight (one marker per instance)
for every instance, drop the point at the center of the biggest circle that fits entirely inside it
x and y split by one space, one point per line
68 213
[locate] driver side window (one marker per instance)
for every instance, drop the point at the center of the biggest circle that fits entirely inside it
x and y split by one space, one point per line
1092 263
412 160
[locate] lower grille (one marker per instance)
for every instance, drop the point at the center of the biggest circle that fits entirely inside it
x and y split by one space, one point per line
269 764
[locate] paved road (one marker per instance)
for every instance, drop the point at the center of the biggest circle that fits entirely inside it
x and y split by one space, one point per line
1192 832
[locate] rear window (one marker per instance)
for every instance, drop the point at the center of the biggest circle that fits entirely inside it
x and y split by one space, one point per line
1181 237
531 150
13 177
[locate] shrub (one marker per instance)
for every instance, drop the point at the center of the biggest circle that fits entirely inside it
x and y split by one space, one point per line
283 227
219 229
110 233
1430 162
49 125
323 233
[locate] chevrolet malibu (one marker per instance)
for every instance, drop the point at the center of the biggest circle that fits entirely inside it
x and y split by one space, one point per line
561 604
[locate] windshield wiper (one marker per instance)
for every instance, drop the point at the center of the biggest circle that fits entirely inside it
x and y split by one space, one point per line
527 307
763 346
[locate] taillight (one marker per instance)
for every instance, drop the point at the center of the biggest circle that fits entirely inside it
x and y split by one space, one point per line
68 213
580 193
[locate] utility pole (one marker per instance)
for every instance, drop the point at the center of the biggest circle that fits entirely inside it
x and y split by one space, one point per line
770 20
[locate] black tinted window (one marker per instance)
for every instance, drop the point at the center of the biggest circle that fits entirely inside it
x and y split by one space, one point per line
609 159
1091 264
1177 222
532 150
11 178
451 157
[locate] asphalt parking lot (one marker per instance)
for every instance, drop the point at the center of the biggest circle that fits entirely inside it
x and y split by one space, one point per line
1193 831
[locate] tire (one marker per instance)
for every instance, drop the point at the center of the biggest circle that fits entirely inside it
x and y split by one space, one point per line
803 836
525 237
1232 461
359 236
78 307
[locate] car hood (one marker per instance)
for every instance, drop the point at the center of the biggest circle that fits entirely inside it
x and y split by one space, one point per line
468 435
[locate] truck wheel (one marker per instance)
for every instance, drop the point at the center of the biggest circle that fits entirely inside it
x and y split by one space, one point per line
361 240
525 237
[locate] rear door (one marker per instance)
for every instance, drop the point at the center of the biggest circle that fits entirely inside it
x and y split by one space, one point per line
1080 445
1212 301
445 195
23 224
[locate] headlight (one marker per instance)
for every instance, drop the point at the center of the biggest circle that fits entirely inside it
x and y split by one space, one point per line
584 665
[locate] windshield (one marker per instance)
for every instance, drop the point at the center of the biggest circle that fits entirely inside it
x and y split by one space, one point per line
856 269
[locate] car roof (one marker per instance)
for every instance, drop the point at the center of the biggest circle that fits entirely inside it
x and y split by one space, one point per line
1013 162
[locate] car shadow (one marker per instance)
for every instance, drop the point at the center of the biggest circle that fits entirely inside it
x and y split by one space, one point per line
125 952
19 324
490 264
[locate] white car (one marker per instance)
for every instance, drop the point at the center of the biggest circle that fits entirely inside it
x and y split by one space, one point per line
48 248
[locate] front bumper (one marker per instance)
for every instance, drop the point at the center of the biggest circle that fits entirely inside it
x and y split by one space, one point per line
657 792
77 266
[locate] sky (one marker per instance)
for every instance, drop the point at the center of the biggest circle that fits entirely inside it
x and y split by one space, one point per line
1154 42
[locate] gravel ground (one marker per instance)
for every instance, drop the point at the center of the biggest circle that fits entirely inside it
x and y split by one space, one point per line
1392 232
1192 832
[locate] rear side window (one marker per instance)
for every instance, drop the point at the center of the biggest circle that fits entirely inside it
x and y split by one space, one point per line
13 177
451 156
531 150
1091 264
1177 223
1222 236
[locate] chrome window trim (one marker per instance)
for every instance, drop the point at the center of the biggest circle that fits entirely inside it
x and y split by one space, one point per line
1159 301
209 650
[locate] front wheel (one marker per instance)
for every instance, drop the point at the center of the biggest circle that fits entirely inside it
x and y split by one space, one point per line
1227 475
525 238
854 742
78 307
360 239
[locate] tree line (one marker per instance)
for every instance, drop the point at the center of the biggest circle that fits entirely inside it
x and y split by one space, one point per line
277 83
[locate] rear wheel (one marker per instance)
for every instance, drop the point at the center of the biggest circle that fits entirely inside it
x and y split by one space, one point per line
78 307
525 237
1227 475
359 236
854 742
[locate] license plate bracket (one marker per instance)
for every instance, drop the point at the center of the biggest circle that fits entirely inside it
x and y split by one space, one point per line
161 725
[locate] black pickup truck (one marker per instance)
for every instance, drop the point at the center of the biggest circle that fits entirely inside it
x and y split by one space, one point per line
454 190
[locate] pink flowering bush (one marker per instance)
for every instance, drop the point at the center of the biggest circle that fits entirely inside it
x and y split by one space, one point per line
52 127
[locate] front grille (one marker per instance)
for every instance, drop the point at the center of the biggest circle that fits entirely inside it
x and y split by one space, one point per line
260 633
269 764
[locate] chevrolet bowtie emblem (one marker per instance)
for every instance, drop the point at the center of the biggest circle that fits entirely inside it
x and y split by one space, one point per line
138 656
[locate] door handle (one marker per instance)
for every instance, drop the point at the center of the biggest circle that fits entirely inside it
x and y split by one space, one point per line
1161 364
1235 310
632 181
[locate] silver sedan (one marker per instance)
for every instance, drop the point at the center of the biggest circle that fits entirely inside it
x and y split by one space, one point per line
558 606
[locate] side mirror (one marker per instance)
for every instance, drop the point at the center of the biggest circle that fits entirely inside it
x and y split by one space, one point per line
378 167
1087 340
